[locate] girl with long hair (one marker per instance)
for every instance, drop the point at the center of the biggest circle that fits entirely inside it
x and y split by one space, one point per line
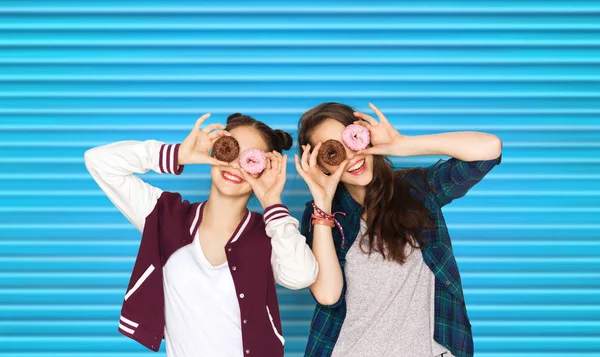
388 283
204 278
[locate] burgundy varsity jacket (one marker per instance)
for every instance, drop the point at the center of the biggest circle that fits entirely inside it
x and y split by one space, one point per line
172 225
263 250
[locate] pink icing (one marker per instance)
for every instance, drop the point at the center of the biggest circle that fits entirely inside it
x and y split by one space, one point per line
356 137
253 161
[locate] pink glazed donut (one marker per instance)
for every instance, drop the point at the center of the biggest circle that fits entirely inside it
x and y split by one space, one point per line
253 161
356 137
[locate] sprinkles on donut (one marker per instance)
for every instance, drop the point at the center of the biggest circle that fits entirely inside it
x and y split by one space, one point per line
356 137
332 152
226 148
253 161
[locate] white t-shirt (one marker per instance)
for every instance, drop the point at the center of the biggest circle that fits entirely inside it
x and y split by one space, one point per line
202 314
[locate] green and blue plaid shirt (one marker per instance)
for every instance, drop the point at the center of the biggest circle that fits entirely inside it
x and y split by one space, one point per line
450 179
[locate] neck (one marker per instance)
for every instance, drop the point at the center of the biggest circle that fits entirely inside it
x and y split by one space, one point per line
358 193
224 211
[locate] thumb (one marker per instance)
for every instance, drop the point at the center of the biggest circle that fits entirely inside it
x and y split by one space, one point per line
340 170
373 150
246 176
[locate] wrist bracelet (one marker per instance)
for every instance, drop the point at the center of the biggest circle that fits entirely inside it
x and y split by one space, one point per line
321 217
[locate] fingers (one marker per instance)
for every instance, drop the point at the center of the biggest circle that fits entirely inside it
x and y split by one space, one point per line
378 112
283 166
314 155
366 117
272 162
281 160
363 123
305 155
212 161
217 134
249 178
269 157
337 175
212 127
201 120
299 168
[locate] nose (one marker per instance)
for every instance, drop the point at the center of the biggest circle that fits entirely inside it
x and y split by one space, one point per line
349 153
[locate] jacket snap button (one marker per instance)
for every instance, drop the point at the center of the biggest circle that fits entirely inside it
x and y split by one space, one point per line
245 321
247 352
448 282
233 268
241 295
229 249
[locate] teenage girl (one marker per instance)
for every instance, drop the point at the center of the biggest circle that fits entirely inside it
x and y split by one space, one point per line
205 274
388 282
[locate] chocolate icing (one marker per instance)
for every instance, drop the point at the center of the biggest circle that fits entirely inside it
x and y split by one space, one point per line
226 148
332 152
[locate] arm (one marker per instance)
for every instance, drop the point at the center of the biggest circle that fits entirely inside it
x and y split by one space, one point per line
294 265
329 286
113 166
473 154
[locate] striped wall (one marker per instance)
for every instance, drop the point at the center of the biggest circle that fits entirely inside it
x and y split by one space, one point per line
79 74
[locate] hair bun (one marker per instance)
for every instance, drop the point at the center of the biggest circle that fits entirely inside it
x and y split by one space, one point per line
233 117
285 140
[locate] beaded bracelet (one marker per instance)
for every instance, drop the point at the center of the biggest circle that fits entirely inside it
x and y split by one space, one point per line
325 217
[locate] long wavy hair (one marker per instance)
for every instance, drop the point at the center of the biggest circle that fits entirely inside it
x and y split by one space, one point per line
395 217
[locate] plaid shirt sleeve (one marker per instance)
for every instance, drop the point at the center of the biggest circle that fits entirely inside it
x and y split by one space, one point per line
453 178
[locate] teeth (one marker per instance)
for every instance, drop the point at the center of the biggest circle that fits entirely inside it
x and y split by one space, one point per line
356 166
231 177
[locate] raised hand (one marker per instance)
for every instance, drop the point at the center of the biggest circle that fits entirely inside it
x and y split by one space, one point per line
195 148
385 138
321 186
269 185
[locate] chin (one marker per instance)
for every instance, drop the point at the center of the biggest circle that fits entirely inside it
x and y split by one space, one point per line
362 181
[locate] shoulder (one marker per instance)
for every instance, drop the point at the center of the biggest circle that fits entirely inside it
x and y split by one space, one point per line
171 206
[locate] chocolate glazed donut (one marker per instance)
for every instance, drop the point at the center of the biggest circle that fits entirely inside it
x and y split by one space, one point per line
332 152
226 148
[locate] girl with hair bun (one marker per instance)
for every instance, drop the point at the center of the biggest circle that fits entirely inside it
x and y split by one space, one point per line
204 277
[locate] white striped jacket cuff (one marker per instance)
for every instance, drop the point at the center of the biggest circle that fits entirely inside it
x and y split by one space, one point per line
275 212
167 159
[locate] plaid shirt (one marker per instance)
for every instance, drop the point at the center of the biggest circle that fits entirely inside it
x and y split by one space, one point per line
450 179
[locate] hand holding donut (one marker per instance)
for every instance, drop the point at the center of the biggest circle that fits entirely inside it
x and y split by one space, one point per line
321 186
269 186
195 148
385 138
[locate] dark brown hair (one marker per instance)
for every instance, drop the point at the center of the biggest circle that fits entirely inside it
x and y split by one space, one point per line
394 215
277 140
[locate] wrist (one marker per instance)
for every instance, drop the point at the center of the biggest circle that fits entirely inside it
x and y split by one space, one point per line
324 205
270 201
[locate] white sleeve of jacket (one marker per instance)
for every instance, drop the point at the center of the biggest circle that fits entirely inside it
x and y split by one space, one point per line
113 166
294 265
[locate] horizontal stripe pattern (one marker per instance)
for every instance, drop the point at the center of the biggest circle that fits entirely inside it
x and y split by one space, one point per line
75 75
274 213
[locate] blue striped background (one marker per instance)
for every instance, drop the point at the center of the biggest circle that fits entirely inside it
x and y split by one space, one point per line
79 74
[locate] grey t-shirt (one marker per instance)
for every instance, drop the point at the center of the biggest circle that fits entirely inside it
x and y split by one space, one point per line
390 306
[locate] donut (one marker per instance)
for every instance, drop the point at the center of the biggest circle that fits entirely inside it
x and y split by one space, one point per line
332 152
356 137
253 161
226 148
